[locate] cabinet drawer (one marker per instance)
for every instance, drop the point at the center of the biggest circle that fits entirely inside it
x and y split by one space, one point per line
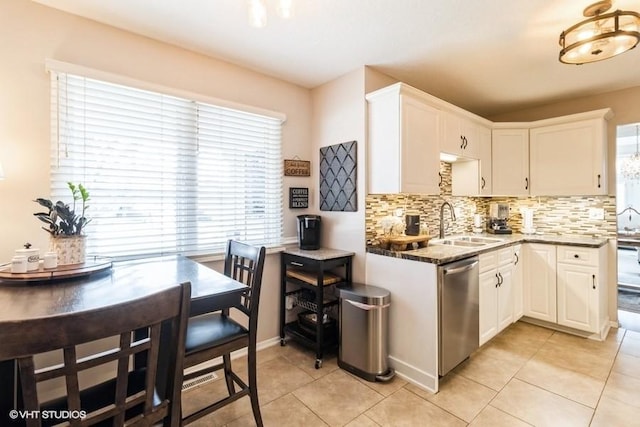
578 255
488 261
505 256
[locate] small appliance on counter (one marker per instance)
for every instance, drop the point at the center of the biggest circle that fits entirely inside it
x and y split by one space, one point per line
309 227
412 225
498 219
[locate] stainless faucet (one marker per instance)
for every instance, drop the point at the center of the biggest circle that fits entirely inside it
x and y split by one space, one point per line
453 217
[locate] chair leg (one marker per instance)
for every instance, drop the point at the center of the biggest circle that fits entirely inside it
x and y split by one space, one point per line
227 374
253 386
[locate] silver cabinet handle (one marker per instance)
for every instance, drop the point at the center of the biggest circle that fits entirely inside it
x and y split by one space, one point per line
297 264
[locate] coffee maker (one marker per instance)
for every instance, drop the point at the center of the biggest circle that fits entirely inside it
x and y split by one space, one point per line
498 218
309 232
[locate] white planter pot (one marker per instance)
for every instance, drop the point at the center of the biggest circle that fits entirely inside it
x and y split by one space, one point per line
70 250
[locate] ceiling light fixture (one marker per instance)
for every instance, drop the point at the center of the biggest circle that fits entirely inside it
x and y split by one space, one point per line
630 167
258 11
600 36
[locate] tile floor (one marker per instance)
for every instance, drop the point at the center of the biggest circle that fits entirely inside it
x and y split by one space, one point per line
527 375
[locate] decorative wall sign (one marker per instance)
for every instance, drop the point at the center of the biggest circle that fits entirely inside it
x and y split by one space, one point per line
298 197
338 188
297 167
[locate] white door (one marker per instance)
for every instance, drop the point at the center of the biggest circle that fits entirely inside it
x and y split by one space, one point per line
553 154
488 305
420 148
540 281
578 297
510 162
518 310
505 297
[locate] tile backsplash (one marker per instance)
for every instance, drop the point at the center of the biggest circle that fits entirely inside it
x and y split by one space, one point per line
553 215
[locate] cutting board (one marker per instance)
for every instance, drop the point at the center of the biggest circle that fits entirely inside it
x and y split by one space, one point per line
401 243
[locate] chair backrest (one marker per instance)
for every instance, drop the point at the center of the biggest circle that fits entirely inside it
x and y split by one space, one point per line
245 263
136 329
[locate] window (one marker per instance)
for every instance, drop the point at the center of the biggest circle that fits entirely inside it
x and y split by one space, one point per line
165 174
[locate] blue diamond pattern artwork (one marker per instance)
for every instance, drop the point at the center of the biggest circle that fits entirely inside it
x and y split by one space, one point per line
338 188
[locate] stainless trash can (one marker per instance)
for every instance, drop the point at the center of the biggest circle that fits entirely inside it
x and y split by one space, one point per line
364 328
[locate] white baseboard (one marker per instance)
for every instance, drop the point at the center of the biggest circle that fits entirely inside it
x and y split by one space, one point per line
415 376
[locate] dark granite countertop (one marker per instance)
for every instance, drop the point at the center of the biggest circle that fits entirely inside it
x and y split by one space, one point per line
442 254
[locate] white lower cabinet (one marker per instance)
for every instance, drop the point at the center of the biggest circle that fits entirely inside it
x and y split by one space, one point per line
582 293
566 285
496 292
518 271
540 284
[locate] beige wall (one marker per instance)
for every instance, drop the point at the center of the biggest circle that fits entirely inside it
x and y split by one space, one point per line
340 115
31 33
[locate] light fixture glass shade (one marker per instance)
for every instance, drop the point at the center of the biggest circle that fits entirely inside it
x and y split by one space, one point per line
600 37
630 168
257 13
285 9
1 172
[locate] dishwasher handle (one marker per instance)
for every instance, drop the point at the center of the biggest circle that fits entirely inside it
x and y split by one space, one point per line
366 306
460 269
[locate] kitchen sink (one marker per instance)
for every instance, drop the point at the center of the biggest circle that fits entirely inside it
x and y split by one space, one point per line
457 242
475 239
466 241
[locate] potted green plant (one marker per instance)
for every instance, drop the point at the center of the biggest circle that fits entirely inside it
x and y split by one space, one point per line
65 227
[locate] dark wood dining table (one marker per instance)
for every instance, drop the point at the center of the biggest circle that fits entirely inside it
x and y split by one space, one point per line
126 280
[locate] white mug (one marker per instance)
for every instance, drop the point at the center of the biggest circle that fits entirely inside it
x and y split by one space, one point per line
19 264
50 260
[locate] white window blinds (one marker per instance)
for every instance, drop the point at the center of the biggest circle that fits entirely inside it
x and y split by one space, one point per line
165 174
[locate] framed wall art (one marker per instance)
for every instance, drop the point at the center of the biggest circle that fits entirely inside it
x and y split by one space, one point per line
338 173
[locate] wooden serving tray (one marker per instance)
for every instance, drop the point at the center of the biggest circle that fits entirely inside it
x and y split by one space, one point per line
312 279
401 243
61 272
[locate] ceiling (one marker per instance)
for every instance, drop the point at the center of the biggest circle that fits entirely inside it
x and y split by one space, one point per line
489 56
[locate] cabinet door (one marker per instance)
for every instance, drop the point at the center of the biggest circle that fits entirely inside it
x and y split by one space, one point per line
420 150
484 154
459 136
578 297
383 159
554 150
518 307
510 162
451 141
505 297
471 139
540 281
488 305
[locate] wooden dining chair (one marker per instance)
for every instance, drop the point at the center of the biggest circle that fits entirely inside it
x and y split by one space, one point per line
216 335
143 362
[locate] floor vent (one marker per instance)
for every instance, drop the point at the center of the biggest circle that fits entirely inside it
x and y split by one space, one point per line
199 381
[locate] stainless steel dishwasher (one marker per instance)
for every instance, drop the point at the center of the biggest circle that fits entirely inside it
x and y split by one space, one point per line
458 312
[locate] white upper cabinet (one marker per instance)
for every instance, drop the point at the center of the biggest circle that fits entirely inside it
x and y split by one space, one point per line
460 136
510 162
569 159
485 163
404 133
